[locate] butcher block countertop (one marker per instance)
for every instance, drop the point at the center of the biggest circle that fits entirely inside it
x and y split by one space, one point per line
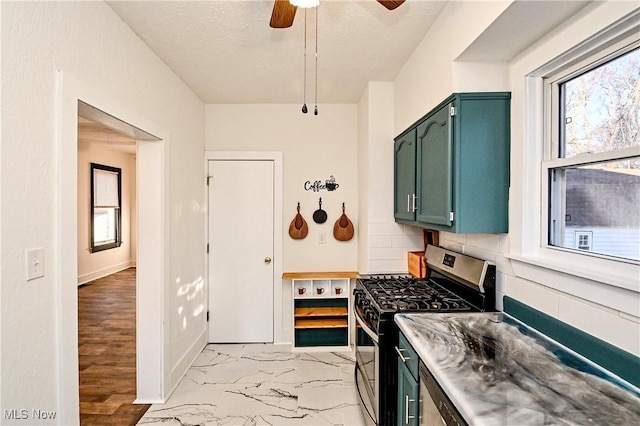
498 371
327 275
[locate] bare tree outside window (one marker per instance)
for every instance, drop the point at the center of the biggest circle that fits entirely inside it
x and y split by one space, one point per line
602 108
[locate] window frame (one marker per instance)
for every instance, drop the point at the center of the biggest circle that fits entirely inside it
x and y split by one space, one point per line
93 247
553 133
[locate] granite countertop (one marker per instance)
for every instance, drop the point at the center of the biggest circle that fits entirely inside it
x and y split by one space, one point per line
498 371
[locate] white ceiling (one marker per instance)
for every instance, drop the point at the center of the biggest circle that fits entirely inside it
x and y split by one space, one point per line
225 51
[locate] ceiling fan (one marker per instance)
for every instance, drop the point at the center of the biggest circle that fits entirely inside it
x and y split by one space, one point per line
284 12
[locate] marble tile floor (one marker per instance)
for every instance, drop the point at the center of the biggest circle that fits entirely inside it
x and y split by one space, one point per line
261 384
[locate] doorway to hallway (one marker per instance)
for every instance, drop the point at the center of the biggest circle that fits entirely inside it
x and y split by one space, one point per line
74 95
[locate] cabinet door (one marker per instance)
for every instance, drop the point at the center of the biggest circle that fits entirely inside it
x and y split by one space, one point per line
407 397
435 168
404 165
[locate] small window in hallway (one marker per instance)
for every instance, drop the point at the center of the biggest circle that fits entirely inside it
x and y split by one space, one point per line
106 190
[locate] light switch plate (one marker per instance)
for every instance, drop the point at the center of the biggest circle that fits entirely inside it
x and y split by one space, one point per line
35 263
322 238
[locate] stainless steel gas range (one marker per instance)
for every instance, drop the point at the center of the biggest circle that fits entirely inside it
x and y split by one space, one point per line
455 283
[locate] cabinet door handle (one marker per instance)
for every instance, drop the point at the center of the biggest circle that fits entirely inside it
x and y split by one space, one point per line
407 417
399 351
414 203
408 202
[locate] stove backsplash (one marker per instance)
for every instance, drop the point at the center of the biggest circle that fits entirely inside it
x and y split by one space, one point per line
389 243
388 247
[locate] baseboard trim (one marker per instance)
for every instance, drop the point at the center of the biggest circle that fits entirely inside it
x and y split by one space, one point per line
148 401
185 362
86 278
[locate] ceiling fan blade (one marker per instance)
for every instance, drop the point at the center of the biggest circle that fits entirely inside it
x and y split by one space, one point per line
391 4
283 14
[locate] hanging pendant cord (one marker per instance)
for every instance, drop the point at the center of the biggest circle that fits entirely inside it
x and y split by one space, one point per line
304 88
315 110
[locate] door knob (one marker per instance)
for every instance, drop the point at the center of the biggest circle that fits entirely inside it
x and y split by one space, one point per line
267 260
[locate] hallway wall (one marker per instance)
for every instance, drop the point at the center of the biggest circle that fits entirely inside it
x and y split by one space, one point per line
88 43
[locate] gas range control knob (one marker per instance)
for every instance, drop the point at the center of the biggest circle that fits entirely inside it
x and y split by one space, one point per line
368 314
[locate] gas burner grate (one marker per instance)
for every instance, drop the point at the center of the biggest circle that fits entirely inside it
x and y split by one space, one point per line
403 294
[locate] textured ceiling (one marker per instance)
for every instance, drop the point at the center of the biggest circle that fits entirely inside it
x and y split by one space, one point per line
227 53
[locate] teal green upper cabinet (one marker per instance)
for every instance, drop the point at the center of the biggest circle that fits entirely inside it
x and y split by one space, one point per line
434 166
405 175
461 166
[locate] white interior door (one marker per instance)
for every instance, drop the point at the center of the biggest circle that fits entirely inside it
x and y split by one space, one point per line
241 245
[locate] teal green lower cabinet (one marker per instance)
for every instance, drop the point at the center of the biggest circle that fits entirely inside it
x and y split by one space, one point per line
408 385
408 388
310 337
461 167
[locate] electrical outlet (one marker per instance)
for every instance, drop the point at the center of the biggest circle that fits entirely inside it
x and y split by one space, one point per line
322 238
35 263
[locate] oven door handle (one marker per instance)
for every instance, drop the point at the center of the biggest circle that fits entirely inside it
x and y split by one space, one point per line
366 329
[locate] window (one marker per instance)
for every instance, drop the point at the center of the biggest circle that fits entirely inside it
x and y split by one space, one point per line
583 240
106 189
593 159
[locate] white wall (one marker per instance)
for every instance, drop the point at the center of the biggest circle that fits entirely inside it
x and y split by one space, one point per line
431 74
95 265
87 41
313 148
383 243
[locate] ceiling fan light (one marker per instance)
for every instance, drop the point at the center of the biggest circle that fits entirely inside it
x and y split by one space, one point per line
305 3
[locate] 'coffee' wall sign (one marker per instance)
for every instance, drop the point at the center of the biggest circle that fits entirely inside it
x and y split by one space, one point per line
317 186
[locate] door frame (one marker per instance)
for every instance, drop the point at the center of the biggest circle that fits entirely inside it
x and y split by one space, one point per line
151 283
279 335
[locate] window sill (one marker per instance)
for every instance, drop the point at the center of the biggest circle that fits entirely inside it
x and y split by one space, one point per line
104 247
617 274
605 282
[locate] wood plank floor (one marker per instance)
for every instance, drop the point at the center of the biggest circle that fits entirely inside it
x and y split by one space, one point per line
107 351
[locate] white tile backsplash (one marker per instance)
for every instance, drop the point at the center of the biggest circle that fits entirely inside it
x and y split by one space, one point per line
379 241
501 282
379 266
405 241
489 242
534 295
385 228
400 266
601 323
389 243
387 253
